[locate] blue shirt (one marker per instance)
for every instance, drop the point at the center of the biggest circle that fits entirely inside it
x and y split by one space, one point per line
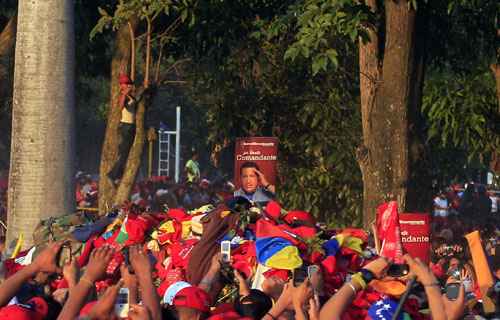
260 195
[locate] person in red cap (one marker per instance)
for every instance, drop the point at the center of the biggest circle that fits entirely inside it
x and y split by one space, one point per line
128 101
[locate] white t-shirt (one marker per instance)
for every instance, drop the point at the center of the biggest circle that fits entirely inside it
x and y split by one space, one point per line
443 203
494 204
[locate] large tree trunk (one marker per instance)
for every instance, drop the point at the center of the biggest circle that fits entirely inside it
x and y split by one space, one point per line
119 64
42 149
135 153
369 81
7 42
385 102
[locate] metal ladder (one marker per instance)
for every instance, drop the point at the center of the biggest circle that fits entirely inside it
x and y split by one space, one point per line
164 142
164 152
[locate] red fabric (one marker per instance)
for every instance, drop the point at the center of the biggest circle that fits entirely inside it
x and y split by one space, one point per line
136 227
194 298
299 216
180 252
172 276
178 215
266 229
389 232
171 237
273 209
17 312
244 258
223 308
315 257
86 308
279 273
330 264
11 267
87 250
305 232
355 232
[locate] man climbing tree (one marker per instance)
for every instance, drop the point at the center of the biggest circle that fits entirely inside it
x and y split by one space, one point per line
129 97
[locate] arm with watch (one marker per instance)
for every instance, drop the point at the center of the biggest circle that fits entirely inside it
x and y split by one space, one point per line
338 303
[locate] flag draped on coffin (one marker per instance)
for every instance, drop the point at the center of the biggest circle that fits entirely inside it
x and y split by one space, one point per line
275 247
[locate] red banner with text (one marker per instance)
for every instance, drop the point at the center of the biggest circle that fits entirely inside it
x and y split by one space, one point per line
261 150
415 235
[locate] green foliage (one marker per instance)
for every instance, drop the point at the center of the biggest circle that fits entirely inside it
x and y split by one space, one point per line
461 112
325 30
144 10
253 90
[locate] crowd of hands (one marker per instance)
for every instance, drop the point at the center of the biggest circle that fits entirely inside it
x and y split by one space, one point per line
291 302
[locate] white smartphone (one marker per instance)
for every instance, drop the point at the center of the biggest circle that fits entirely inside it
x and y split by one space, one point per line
225 250
122 303
311 270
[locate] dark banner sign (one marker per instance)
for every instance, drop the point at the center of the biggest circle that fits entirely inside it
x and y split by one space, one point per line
261 150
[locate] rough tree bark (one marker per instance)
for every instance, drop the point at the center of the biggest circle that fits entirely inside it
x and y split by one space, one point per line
42 148
385 91
119 64
369 81
7 43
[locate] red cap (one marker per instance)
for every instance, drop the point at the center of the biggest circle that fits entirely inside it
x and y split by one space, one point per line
194 298
35 309
124 79
273 209
300 216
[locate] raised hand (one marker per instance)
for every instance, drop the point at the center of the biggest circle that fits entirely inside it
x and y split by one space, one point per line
105 307
70 272
420 270
98 262
302 293
455 308
46 260
138 312
139 261
378 267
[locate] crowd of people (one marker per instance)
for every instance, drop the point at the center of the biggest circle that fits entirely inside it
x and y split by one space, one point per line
204 250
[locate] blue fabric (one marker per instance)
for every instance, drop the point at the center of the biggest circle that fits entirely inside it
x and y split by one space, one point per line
267 247
84 232
383 310
331 247
259 196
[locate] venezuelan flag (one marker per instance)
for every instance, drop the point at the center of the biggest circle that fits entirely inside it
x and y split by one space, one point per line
276 248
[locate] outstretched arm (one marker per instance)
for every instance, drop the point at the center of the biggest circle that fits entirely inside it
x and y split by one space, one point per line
96 269
45 262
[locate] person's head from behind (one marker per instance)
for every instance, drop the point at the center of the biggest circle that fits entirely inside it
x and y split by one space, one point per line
255 305
194 155
191 303
249 176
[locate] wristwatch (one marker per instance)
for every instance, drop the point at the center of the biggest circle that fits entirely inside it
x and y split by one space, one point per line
367 275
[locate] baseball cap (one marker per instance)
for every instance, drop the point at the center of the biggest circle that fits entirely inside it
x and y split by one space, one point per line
194 298
35 309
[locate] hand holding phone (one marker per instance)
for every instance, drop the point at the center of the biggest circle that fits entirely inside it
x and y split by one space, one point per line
225 250
122 303
397 270
452 290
